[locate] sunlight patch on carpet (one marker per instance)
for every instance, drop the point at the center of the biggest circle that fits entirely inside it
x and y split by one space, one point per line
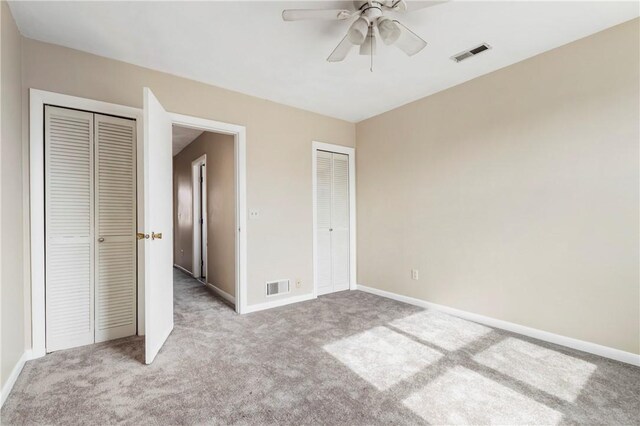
550 371
440 329
382 357
462 396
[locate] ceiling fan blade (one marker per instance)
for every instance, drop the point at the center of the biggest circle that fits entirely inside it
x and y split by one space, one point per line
409 42
410 6
302 14
341 51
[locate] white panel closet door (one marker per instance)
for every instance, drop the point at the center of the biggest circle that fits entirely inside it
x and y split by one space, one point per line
340 223
324 171
69 215
332 222
115 176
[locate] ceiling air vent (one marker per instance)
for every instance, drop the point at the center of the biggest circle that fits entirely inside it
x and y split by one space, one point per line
277 287
471 52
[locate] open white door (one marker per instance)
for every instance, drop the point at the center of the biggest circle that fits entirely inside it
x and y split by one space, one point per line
158 211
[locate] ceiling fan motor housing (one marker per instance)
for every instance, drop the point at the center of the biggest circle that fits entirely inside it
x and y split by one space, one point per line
371 11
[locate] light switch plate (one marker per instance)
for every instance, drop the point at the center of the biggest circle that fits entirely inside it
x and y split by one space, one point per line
253 214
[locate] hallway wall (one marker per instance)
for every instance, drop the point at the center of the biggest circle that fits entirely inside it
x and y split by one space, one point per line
221 211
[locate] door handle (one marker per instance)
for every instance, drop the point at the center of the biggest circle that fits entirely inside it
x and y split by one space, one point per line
101 240
141 236
155 236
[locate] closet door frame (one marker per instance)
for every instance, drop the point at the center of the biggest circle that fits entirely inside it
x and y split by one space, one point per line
351 153
37 100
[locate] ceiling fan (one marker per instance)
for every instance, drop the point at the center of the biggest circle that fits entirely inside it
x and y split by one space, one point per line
369 16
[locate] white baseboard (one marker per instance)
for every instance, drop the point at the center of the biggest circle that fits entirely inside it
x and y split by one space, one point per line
11 380
581 345
183 269
217 290
279 302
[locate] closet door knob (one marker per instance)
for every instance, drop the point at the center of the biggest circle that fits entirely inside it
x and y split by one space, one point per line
101 240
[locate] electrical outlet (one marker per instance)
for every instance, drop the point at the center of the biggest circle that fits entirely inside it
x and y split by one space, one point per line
414 274
298 283
253 214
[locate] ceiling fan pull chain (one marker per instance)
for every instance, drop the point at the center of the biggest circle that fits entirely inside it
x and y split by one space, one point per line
371 49
371 67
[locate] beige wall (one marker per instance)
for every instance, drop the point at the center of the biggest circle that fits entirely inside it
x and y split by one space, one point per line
515 195
12 214
221 209
278 147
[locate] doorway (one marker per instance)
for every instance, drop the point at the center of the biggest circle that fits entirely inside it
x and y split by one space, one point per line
200 228
158 214
205 208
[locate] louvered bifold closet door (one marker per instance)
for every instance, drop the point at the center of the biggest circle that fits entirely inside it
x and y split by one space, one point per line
324 171
115 227
340 222
69 213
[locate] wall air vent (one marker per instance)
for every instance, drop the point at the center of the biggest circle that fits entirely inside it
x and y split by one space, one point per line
277 287
471 52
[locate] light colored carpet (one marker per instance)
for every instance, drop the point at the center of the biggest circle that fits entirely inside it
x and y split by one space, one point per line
348 358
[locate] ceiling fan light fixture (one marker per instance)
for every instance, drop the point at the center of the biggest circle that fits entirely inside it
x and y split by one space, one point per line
389 31
358 30
369 17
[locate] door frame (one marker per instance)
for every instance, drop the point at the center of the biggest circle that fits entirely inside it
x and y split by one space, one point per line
199 204
239 134
37 100
351 153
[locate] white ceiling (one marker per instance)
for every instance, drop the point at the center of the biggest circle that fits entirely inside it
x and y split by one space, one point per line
183 136
246 47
